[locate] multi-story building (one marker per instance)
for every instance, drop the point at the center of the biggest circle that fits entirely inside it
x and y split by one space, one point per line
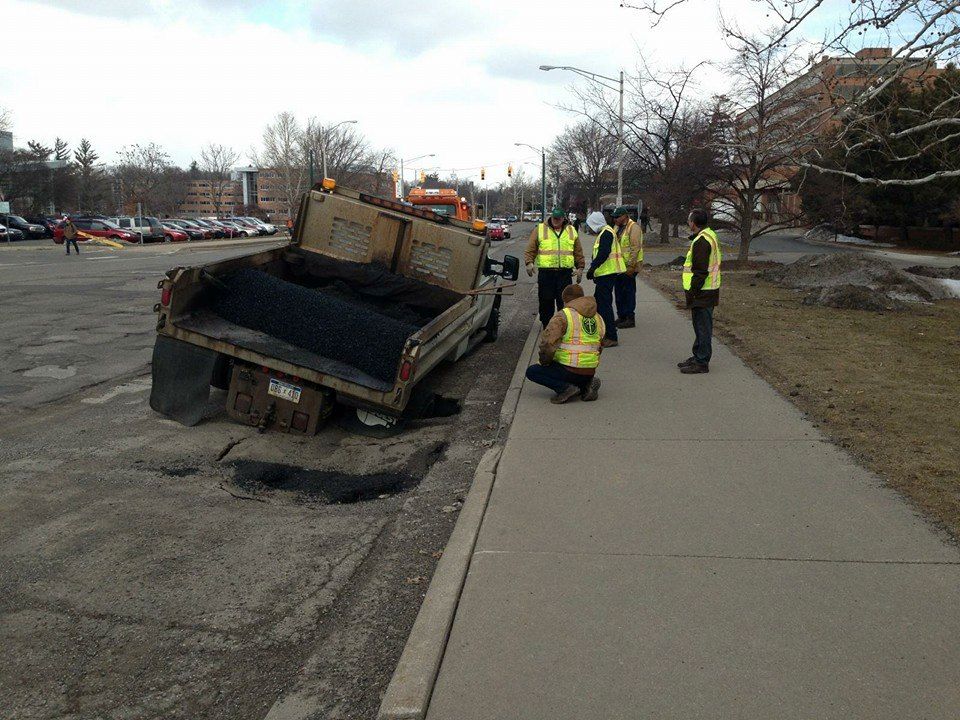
200 200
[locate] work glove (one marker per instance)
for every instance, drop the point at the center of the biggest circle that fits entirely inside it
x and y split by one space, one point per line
530 269
590 274
579 275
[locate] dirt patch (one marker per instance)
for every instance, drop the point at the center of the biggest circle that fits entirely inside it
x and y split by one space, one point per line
832 277
882 385
948 273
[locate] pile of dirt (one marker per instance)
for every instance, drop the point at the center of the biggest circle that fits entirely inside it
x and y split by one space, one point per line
855 281
320 322
820 233
942 273
853 297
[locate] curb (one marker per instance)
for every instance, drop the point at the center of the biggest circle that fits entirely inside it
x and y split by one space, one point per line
512 397
411 686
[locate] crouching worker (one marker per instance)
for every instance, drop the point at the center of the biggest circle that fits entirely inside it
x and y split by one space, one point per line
570 348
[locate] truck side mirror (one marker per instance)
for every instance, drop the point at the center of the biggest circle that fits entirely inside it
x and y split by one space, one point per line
508 268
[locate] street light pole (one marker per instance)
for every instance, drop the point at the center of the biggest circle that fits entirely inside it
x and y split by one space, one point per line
620 138
323 148
402 161
543 178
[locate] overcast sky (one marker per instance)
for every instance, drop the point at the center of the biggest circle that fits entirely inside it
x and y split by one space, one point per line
450 77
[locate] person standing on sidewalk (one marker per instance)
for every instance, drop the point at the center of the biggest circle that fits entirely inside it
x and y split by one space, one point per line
607 264
630 237
701 285
570 347
70 235
554 251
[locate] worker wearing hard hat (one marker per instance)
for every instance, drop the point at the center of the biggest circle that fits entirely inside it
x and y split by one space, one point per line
630 236
553 251
570 347
607 264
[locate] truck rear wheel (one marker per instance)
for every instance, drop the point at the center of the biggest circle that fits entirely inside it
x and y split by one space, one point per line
492 327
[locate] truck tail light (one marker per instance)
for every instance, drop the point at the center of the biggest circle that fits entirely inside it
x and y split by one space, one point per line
165 297
406 370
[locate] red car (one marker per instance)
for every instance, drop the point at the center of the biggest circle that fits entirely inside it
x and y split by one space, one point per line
97 228
495 232
171 233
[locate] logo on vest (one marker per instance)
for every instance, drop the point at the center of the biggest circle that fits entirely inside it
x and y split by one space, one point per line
589 325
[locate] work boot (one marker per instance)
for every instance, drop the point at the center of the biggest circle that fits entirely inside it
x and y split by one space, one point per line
688 361
627 322
590 392
695 368
608 343
561 397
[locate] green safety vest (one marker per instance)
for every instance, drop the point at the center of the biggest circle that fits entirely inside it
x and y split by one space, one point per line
555 251
580 345
614 262
713 269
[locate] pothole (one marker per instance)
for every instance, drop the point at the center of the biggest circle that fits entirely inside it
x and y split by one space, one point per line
257 478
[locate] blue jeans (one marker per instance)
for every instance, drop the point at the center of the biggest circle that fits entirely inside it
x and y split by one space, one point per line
604 297
703 329
556 377
626 293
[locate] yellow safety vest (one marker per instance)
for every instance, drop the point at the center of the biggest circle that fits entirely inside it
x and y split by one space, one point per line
580 345
626 246
555 251
614 262
713 269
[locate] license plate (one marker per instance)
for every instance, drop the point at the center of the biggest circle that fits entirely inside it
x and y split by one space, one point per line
283 390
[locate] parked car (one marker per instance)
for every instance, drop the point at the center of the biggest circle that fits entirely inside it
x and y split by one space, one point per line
228 230
149 227
241 228
194 233
97 228
512 218
218 232
265 226
172 233
30 230
243 222
10 234
495 232
49 223
205 231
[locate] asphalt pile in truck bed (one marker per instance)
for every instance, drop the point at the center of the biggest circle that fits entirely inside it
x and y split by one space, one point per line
320 322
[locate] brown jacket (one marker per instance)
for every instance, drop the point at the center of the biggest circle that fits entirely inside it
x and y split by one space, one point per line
530 254
696 296
631 242
552 334
69 230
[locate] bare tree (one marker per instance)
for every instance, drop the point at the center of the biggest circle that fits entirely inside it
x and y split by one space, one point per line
217 161
381 163
761 131
283 154
6 119
586 155
922 35
345 148
140 173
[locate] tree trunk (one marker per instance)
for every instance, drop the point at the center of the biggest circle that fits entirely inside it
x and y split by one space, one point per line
664 231
746 235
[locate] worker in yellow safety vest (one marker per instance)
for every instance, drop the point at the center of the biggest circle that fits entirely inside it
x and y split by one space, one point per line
701 285
630 236
554 252
570 347
608 263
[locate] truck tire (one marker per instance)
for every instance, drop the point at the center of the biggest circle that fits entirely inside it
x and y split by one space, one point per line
492 327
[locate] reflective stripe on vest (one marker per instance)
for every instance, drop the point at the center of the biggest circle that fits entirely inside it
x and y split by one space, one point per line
713 268
580 345
629 252
555 251
614 262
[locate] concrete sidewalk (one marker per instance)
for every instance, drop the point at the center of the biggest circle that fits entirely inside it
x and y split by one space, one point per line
690 547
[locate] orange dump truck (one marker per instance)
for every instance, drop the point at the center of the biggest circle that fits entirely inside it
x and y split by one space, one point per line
443 201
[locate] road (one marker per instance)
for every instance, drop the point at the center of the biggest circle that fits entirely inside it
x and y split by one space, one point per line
148 570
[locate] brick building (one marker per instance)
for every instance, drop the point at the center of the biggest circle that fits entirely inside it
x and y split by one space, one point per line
199 200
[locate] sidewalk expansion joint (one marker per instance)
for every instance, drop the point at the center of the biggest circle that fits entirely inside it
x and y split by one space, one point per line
693 556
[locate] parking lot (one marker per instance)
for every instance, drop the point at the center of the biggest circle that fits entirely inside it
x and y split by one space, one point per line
152 570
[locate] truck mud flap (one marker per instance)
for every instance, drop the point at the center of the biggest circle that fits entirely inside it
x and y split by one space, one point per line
181 379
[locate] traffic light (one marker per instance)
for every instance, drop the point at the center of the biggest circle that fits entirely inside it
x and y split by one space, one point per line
483 173
396 175
423 177
509 170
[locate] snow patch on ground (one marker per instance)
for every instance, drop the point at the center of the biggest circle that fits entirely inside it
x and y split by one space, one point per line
952 286
850 240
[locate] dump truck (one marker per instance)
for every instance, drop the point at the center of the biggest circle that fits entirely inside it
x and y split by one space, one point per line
443 201
367 298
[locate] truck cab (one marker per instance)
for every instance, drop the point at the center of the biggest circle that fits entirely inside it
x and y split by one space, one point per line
442 201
